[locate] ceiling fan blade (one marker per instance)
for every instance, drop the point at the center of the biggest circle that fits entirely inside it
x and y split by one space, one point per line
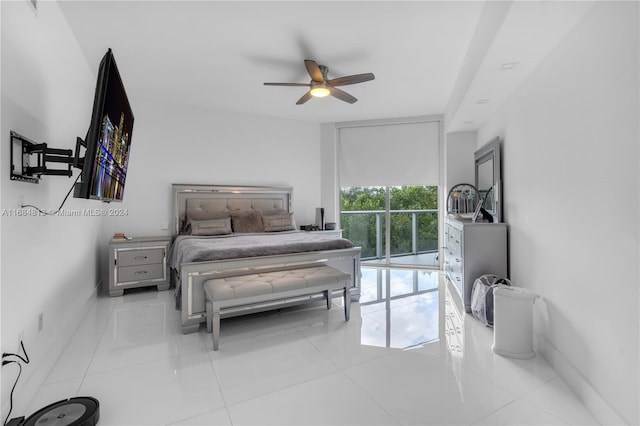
314 70
304 98
342 95
351 79
287 84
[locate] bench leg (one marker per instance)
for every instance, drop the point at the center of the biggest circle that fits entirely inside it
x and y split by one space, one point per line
215 329
329 294
213 323
209 310
347 304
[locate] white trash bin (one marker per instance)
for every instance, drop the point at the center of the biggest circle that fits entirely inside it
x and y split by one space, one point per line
513 322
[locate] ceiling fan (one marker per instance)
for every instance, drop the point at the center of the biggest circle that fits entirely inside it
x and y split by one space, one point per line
320 86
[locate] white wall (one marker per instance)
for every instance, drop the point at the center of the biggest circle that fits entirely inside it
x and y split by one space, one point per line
459 160
49 264
174 143
570 159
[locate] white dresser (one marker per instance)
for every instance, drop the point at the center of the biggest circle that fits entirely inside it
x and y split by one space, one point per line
472 250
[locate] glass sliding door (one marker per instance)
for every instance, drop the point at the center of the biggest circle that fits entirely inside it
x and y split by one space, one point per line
362 218
392 224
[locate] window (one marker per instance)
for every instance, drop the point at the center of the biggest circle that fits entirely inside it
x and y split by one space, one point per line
410 212
388 176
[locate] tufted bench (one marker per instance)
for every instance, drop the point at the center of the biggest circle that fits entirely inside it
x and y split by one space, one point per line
223 294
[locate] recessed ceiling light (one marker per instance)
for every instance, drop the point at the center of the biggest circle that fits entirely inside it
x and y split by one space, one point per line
508 65
483 101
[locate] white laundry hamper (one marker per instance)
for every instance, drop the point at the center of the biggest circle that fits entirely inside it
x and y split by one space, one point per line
513 322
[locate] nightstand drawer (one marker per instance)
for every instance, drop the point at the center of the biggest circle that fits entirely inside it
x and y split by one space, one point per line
129 274
140 256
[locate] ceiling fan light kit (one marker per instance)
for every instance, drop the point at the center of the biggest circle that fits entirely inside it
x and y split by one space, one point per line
321 87
319 90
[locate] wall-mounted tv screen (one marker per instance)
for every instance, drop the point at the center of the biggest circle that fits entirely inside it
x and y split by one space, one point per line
108 140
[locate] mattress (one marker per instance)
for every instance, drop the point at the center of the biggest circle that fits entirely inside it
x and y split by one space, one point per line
189 248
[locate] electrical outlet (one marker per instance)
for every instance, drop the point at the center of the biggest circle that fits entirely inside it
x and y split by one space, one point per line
40 322
164 226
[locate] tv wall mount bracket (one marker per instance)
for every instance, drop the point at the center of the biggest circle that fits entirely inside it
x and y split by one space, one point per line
31 160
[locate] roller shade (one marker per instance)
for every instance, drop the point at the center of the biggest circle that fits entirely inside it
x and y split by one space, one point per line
390 154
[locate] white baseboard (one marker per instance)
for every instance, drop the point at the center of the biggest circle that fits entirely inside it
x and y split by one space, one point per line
600 409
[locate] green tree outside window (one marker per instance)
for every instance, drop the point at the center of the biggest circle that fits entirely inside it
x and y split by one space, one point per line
361 228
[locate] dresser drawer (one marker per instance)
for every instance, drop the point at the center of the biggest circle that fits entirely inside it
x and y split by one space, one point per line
140 256
454 241
128 274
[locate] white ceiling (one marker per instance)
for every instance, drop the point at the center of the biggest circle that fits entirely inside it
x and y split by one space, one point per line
428 57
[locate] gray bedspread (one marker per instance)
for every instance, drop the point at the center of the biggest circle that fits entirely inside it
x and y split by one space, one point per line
187 248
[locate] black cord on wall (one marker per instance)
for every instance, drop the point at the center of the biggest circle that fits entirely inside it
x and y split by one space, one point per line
9 358
62 204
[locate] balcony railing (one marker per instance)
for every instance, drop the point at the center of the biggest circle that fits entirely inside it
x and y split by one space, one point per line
412 232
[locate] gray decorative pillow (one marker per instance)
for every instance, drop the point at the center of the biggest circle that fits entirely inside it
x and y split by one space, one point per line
198 213
278 222
211 227
245 221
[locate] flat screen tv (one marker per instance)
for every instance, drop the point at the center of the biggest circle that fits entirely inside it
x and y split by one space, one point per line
108 141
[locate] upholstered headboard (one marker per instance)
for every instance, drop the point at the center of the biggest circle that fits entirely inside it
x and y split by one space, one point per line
217 198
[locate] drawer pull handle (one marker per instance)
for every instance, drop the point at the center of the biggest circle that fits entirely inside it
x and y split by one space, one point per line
140 272
140 257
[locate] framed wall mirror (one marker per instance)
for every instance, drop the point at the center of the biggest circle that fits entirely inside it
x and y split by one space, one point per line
489 179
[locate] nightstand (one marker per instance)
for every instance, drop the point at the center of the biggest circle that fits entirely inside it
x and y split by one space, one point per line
138 262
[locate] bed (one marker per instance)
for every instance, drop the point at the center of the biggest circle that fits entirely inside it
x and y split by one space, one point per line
221 231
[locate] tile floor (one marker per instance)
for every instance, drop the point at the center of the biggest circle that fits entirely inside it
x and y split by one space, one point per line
404 358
